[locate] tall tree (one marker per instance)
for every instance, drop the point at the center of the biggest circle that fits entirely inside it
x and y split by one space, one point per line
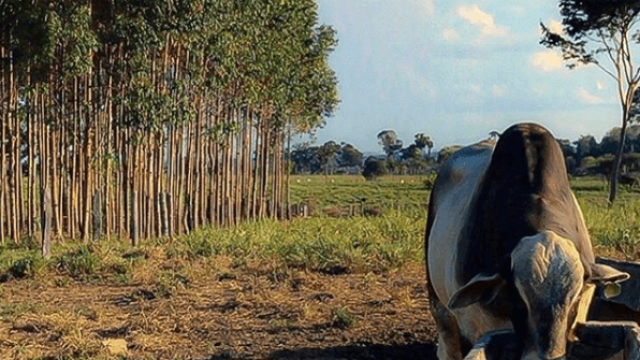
350 156
586 145
422 141
147 118
389 142
327 154
600 32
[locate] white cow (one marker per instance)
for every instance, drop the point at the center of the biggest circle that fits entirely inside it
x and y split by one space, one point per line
507 247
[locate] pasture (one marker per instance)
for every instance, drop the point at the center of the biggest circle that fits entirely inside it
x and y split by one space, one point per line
346 282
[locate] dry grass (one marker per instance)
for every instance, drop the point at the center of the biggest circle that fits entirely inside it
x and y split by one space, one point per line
257 314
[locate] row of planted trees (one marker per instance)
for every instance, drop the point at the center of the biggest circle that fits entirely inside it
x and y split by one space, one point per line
149 118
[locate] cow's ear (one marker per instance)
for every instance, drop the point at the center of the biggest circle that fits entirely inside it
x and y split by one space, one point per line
482 288
607 274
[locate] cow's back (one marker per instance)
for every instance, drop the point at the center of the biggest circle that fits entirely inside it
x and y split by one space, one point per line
526 191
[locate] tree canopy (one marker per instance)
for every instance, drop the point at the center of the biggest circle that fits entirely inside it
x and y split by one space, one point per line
100 97
388 140
602 33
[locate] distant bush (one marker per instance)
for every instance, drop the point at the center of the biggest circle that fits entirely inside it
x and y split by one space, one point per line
374 167
81 262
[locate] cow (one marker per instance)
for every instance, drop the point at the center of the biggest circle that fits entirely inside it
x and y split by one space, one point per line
507 247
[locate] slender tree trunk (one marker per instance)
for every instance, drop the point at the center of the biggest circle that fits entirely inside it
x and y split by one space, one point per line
617 160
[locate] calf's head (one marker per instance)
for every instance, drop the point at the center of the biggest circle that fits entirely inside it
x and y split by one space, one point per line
544 287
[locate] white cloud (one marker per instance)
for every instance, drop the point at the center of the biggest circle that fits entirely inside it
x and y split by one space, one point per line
555 26
429 7
450 34
480 19
600 85
547 60
587 97
498 91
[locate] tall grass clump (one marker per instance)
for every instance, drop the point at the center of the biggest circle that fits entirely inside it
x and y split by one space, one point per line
22 260
617 227
326 244
79 262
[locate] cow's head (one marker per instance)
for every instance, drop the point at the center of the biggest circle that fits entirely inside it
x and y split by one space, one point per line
544 286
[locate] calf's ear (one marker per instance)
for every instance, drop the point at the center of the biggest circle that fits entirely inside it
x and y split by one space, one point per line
607 274
611 277
482 288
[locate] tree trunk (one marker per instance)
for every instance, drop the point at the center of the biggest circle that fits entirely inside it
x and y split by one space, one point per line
617 161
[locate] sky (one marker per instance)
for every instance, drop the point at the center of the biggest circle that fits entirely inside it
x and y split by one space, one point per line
455 71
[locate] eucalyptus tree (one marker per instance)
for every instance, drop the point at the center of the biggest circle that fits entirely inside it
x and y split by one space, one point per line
389 142
422 141
157 116
601 33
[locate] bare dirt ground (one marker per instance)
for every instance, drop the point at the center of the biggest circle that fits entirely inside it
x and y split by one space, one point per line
244 315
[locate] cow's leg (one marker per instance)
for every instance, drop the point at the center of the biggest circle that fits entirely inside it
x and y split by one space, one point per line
450 343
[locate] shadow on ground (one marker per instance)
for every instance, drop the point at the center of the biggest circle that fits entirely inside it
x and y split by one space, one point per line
422 351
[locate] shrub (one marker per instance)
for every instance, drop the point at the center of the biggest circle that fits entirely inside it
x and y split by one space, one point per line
80 262
343 318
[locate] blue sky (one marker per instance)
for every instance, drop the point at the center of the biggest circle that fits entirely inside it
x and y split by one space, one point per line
456 70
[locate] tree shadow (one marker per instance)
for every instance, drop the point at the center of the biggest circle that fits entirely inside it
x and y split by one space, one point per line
422 351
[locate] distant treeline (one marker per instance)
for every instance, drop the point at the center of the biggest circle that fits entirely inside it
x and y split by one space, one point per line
588 156
583 156
331 157
151 118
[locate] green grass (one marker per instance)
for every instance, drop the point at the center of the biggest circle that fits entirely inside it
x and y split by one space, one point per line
408 193
318 243
323 243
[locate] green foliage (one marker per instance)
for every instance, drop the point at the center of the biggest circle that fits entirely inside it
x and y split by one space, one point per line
168 282
389 142
81 262
430 181
616 228
331 245
269 54
601 33
25 266
343 318
374 167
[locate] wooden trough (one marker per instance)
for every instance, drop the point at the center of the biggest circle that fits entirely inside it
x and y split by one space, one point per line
611 332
